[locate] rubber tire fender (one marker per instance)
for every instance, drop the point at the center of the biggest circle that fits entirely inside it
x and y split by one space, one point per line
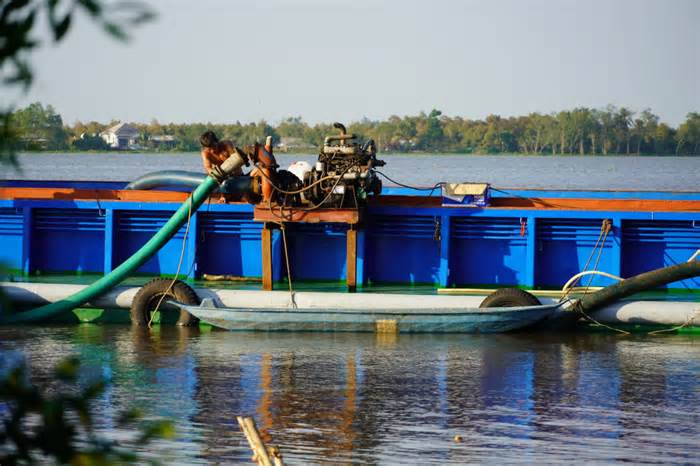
149 294
510 297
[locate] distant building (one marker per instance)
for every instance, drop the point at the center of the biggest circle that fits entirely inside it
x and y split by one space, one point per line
121 136
290 143
35 143
162 141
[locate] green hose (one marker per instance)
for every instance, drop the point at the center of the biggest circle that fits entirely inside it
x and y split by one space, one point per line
129 266
642 282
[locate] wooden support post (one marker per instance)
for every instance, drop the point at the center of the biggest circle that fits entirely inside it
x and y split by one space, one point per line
267 257
263 455
351 252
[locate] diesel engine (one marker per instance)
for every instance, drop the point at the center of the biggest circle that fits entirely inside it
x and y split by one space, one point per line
342 177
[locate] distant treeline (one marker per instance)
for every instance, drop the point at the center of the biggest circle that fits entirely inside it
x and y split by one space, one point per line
611 130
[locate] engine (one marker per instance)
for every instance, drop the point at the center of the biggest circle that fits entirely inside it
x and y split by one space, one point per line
342 177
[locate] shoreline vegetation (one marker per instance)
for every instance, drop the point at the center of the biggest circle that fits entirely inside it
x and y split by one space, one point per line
581 131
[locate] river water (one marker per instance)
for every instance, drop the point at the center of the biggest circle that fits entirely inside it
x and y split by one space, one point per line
503 171
382 399
369 399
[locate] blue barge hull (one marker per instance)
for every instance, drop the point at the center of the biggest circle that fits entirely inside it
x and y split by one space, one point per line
405 239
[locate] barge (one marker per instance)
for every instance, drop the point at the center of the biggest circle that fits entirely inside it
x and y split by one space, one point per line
410 240
525 238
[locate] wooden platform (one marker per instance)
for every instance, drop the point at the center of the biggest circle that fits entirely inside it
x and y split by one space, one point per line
289 214
351 216
273 216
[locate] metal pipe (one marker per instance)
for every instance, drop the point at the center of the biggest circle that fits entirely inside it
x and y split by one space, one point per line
642 282
159 179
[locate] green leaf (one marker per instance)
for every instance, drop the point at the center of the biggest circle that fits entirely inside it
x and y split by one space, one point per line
60 29
143 17
129 416
26 25
67 370
115 31
92 7
164 429
94 390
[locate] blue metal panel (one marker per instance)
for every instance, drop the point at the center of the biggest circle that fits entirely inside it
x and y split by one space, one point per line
531 231
134 228
651 244
488 251
402 249
67 240
317 251
445 222
109 241
361 255
229 243
192 238
11 232
615 237
565 245
277 258
27 240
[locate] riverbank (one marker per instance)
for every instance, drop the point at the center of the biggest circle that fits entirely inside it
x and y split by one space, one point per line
406 152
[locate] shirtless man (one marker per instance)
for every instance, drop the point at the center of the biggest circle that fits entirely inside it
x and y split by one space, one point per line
214 152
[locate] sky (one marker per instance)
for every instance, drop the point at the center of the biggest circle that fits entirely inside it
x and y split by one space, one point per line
342 60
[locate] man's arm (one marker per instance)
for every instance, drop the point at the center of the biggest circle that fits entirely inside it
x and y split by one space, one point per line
206 162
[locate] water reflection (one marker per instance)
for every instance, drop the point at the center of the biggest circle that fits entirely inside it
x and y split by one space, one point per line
364 398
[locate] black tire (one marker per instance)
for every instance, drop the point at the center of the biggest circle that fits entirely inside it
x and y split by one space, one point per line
146 299
509 297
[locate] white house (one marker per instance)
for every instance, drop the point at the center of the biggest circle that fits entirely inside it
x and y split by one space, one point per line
121 136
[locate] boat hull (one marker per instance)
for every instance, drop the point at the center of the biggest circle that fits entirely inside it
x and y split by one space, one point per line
495 320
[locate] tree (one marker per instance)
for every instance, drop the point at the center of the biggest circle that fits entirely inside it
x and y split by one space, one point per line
664 139
90 142
688 136
430 132
57 426
607 128
292 127
623 121
644 130
39 127
18 19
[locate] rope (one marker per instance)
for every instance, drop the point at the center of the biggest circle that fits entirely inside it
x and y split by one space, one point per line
567 285
687 323
604 229
289 270
179 264
599 245
577 307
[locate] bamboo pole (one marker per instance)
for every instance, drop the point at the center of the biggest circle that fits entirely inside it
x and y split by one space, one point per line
263 455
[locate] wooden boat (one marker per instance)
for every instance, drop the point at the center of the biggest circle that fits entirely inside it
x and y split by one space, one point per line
348 316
